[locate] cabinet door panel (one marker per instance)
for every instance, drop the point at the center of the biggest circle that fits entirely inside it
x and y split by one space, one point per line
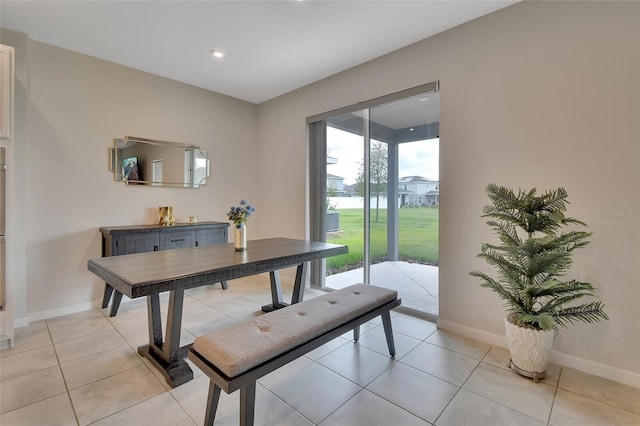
7 76
208 237
137 243
175 240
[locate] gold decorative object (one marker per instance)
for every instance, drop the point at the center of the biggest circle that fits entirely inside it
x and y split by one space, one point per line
166 216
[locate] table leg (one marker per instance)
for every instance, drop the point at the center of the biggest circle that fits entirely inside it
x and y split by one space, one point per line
167 356
115 304
298 284
171 347
276 293
108 290
117 297
276 289
155 320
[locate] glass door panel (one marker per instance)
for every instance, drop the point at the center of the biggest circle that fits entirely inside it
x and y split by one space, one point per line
378 207
404 172
344 206
377 170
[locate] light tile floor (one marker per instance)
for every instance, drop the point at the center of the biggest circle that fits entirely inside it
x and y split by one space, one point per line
83 369
416 284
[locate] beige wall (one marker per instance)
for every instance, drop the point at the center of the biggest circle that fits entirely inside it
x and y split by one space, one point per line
71 108
535 95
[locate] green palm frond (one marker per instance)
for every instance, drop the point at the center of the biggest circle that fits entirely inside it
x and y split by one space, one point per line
553 262
572 240
532 253
587 313
572 221
503 293
506 233
553 288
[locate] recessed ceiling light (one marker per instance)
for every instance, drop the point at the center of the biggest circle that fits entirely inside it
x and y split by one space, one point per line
217 53
423 99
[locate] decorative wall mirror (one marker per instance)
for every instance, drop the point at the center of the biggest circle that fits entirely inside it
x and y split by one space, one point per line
140 161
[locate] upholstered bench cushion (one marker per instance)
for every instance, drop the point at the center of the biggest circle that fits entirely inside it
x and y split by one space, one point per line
240 347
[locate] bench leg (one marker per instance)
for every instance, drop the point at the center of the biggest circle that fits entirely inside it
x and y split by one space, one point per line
247 404
224 285
388 332
356 334
212 404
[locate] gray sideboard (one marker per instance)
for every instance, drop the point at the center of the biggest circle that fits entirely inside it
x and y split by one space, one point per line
119 240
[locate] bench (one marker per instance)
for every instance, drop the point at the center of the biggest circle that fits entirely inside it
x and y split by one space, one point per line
236 356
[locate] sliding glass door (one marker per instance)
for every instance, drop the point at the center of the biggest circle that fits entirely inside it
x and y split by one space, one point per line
374 187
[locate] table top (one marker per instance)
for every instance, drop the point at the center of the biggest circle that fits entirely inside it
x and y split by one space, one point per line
142 274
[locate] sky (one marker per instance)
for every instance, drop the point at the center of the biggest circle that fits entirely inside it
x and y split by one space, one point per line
416 158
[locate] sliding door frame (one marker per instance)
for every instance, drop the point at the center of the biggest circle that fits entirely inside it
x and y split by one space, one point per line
317 143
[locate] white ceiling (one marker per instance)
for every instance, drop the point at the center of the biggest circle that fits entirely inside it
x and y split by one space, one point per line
272 47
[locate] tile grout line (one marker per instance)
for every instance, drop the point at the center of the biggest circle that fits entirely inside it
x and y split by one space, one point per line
555 395
285 403
64 380
497 402
114 374
463 383
68 392
597 400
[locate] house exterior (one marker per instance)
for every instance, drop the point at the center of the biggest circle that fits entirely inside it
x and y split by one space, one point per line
335 185
418 191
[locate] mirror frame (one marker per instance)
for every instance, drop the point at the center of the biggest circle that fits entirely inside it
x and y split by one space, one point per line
117 169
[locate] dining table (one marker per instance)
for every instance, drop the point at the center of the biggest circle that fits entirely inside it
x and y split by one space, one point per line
174 271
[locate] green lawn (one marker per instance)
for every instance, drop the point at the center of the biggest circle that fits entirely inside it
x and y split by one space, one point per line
418 237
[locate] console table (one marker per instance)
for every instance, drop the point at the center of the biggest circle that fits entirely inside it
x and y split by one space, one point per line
149 274
119 240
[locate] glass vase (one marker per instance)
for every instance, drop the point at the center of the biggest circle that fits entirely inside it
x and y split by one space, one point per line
240 242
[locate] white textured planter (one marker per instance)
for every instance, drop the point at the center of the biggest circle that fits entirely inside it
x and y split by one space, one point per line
529 349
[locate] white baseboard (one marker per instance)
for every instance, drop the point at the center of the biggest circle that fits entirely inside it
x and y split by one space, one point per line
20 322
597 369
473 333
52 313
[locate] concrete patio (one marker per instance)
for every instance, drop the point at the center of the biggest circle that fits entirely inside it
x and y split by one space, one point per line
416 284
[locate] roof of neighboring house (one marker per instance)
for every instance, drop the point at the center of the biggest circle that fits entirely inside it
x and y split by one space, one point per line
433 193
330 176
350 189
406 179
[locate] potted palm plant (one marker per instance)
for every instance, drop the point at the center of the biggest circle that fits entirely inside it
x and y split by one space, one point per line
531 260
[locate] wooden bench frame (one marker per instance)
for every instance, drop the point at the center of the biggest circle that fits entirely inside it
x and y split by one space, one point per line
246 381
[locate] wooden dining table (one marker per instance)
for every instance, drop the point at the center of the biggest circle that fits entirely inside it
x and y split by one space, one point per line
149 274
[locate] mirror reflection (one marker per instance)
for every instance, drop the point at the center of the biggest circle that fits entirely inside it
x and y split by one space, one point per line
140 161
